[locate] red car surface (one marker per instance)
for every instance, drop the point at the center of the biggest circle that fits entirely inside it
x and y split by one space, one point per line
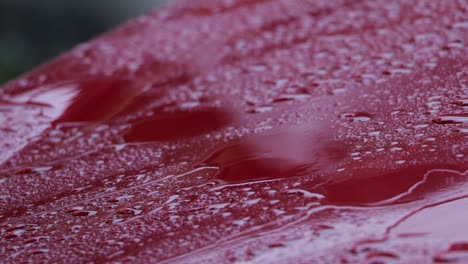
261 131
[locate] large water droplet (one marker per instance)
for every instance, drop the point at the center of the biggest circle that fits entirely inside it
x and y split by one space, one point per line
79 211
37 251
461 102
456 253
92 100
356 117
398 186
292 97
451 119
278 155
260 109
129 211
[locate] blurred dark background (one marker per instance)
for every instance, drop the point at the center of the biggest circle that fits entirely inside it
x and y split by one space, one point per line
34 31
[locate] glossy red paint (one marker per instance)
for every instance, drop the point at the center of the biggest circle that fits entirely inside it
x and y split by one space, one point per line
245 131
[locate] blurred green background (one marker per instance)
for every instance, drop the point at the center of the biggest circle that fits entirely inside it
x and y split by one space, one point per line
34 31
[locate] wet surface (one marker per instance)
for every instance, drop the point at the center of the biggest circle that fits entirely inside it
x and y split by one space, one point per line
183 137
281 155
80 101
177 125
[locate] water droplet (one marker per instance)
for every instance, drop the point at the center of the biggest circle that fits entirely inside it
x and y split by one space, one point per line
276 245
460 246
385 188
116 220
434 104
218 206
420 126
252 202
129 211
374 255
396 149
463 24
38 251
462 130
374 133
337 91
356 117
291 97
305 194
457 253
451 119
435 98
120 198
461 102
84 213
14 234
451 257
91 100
260 109
278 155
172 198
36 239
241 222
189 105
119 147
26 170
79 211
17 227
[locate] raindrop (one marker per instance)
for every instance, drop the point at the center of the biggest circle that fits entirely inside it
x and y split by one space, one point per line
18 226
305 194
462 130
276 245
451 119
79 211
356 117
396 149
374 255
460 246
129 211
337 91
36 239
260 109
120 198
16 233
84 213
461 102
420 126
385 188
291 97
38 251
